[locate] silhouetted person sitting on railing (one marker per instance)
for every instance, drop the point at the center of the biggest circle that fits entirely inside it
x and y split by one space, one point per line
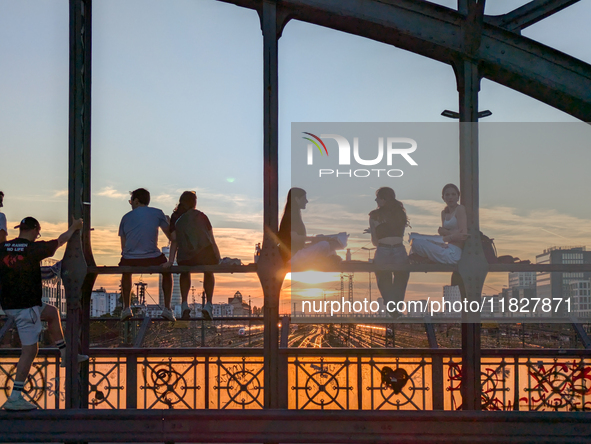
386 225
293 238
20 273
139 248
447 247
193 244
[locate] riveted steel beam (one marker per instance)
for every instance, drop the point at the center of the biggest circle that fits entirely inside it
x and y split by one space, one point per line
270 264
139 339
529 14
472 267
582 334
77 282
434 31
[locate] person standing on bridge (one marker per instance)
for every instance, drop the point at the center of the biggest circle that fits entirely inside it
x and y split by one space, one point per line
20 274
386 225
194 244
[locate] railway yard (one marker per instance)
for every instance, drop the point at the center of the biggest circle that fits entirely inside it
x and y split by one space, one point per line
239 334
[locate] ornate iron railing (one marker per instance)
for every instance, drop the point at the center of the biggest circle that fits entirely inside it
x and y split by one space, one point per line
327 379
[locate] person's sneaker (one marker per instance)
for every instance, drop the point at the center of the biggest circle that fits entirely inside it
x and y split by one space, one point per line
18 404
126 313
207 312
185 311
81 358
168 314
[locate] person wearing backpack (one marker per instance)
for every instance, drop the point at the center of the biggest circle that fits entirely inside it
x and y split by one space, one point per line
193 243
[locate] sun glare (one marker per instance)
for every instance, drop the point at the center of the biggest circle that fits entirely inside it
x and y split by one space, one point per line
312 277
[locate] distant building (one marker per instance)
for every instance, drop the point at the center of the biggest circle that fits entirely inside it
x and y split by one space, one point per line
580 298
451 294
220 310
522 279
53 292
153 310
102 302
491 305
516 302
556 284
416 309
240 308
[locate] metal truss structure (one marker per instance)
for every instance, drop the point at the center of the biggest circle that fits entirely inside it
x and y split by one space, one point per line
279 380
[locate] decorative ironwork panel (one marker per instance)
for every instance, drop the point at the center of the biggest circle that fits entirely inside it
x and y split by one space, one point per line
235 382
171 382
526 384
452 380
107 383
553 384
44 386
499 385
323 383
396 383
497 377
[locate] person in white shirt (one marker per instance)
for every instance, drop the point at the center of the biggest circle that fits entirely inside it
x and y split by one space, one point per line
139 247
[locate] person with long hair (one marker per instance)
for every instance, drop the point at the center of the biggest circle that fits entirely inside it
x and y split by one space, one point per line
386 224
193 243
293 237
447 247
292 231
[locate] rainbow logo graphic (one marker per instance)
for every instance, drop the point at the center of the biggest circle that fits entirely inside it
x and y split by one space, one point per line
314 142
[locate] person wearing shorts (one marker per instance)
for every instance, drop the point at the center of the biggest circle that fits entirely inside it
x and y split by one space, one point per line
193 244
20 274
139 248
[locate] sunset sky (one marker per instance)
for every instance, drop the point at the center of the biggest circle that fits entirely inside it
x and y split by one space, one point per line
177 105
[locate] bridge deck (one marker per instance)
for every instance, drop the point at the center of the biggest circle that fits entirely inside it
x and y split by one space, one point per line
294 426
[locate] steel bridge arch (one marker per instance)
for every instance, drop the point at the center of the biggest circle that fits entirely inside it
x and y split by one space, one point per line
446 35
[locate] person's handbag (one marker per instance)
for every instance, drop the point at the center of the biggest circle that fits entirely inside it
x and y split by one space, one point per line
490 253
488 248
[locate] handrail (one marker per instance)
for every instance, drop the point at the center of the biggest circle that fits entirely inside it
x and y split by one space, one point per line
250 268
317 352
345 266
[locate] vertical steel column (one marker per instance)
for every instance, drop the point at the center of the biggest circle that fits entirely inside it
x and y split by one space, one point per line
268 264
270 267
77 284
472 267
